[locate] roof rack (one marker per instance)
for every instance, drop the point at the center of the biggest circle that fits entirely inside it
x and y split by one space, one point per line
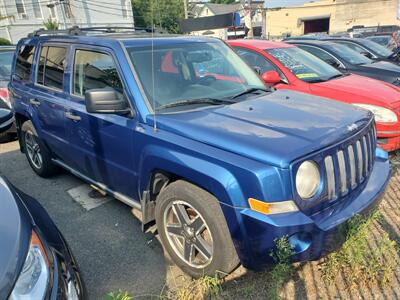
76 30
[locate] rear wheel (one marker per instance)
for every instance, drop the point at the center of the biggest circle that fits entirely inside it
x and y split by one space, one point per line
36 152
193 230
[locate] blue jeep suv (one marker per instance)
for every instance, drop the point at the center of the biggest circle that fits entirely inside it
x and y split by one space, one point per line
182 129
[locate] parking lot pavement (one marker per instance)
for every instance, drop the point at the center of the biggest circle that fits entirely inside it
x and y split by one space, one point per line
112 251
114 254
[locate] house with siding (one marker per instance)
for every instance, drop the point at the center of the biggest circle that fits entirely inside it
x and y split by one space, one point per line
20 17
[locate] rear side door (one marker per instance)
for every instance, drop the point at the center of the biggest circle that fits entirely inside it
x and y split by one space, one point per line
49 96
101 144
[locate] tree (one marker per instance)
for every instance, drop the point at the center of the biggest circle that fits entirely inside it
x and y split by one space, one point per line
223 1
162 13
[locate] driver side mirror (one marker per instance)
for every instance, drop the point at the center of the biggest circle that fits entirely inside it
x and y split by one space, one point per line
106 101
271 77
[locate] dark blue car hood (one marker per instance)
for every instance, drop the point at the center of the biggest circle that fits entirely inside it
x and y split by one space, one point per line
277 128
15 227
384 66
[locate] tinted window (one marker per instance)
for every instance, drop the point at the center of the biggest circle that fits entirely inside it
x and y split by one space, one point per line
24 62
353 46
54 67
326 57
94 70
254 59
382 51
347 54
5 65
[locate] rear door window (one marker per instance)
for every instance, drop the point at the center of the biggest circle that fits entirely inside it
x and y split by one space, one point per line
51 67
24 61
94 70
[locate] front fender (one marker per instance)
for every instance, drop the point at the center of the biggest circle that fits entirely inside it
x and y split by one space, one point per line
210 176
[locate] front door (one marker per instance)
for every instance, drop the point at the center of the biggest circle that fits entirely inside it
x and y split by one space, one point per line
102 144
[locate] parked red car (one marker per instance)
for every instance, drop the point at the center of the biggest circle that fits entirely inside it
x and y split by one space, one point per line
285 66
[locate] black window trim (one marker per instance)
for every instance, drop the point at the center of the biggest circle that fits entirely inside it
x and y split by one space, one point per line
55 45
103 50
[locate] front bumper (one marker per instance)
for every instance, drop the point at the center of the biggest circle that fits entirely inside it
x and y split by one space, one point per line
311 236
65 278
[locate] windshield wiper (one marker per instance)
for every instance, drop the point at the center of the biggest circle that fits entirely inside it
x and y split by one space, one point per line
249 91
212 101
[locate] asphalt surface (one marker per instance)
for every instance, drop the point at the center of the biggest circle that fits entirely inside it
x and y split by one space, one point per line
112 251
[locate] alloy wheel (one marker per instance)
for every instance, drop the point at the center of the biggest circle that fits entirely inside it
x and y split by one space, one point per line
188 234
33 149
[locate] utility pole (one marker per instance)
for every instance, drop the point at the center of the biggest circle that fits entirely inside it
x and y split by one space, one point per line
185 6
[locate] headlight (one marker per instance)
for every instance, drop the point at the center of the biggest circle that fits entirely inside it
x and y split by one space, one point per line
33 280
382 114
308 179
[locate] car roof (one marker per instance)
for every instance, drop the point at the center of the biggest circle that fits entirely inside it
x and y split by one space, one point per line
261 44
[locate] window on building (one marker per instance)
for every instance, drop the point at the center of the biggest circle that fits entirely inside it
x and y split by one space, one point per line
124 9
36 9
52 9
20 9
95 70
51 67
24 62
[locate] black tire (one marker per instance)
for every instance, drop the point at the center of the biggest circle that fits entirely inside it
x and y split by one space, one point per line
224 257
47 167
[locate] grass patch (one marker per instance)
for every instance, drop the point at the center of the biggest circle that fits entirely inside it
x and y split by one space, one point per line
204 287
359 261
118 296
282 270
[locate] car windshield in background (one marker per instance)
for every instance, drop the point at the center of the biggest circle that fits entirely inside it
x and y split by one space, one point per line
5 65
304 65
349 55
382 40
192 72
382 51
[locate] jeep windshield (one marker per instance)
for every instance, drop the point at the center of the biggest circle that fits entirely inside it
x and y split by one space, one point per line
304 65
193 73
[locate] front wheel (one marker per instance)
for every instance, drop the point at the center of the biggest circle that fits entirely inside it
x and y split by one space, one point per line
193 230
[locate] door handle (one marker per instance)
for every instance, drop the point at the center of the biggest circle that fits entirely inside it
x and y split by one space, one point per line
71 116
34 102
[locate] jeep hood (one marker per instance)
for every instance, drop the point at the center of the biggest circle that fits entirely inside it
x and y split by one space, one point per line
275 129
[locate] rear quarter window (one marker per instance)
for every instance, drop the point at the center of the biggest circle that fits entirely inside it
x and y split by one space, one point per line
23 65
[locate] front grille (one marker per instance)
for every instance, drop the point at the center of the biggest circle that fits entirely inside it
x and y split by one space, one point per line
349 166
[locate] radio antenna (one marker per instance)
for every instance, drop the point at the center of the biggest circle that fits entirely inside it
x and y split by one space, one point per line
152 65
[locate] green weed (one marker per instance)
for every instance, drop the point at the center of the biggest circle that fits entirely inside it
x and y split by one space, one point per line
358 260
283 269
118 296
